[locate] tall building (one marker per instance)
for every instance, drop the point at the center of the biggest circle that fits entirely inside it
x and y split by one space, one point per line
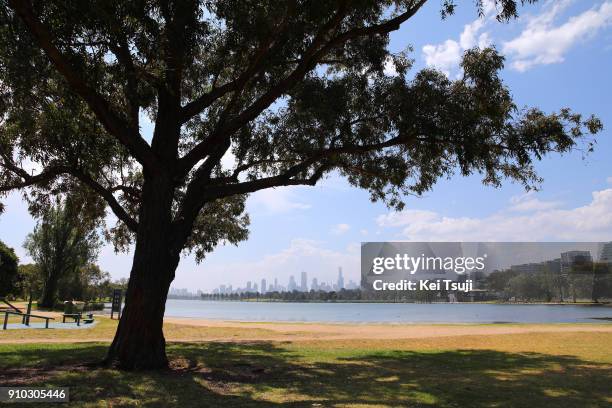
264 287
340 279
527 268
574 259
275 284
304 282
314 285
292 285
606 253
249 286
352 285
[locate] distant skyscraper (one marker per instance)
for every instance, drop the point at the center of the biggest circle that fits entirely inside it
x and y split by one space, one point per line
340 279
292 285
263 286
304 283
275 284
249 287
574 259
606 253
314 285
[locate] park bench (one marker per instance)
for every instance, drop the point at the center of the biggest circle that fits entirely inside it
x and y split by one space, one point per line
8 312
75 311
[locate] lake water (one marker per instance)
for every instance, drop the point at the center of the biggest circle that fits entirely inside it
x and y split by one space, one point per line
386 312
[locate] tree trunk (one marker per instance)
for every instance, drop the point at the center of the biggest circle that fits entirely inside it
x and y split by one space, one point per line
47 299
139 342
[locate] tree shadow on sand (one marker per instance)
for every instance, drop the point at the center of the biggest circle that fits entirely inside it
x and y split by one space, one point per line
269 374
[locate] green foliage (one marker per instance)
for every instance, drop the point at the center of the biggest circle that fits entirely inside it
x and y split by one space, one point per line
64 242
30 280
590 281
83 283
8 271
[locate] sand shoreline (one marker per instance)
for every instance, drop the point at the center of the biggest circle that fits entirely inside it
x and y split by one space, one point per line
386 331
180 329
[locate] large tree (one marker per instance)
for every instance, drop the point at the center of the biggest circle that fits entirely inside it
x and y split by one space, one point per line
290 90
63 242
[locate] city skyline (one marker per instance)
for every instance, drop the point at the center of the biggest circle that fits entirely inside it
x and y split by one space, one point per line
292 285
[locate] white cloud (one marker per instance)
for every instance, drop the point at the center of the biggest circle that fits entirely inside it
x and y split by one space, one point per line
609 180
277 200
447 55
340 229
528 203
541 42
589 222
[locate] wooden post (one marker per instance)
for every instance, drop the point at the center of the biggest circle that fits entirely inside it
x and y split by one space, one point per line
26 318
5 320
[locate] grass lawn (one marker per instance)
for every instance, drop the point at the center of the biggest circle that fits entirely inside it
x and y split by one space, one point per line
572 369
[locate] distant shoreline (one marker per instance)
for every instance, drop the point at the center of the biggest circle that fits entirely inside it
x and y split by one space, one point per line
255 300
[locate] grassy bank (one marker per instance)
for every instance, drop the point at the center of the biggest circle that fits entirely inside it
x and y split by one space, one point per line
571 369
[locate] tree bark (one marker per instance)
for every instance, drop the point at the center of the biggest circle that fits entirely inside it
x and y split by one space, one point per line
47 299
139 342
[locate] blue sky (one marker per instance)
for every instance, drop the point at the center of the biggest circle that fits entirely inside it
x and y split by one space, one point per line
558 54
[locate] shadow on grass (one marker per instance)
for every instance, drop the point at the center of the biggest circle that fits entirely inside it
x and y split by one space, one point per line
271 374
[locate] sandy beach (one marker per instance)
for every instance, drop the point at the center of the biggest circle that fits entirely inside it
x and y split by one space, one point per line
313 331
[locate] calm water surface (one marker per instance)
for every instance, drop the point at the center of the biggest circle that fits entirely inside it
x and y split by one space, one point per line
386 312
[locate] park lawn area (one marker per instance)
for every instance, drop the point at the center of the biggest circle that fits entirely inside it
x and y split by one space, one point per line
569 369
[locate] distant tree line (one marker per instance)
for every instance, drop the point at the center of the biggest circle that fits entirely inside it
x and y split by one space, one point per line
591 281
343 295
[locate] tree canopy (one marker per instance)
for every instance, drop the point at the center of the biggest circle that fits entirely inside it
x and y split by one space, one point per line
293 90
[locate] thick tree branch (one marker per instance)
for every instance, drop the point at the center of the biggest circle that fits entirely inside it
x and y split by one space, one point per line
113 123
199 191
316 52
52 172
256 63
108 196
30 180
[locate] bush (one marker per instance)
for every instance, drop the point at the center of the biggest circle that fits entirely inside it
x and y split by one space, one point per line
8 271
